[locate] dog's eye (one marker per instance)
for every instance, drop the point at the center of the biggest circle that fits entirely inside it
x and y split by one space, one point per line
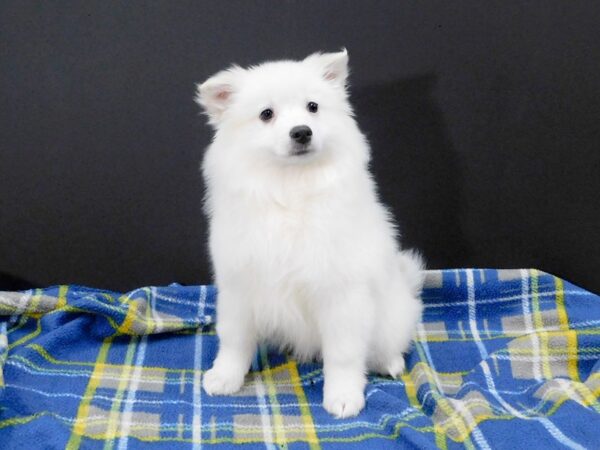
312 107
266 115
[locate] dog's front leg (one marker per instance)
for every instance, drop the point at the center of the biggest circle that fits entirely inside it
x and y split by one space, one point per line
237 344
345 326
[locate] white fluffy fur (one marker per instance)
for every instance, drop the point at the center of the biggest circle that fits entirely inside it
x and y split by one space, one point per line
305 256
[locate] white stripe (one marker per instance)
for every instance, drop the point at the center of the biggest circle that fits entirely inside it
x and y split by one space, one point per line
566 387
126 417
132 389
380 425
555 432
423 341
509 333
140 401
559 435
3 336
84 374
477 434
506 299
466 413
175 300
563 357
476 386
472 314
197 420
529 324
479 438
74 374
155 315
3 348
24 302
265 417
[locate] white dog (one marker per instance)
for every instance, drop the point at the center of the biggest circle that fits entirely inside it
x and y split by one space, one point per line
305 256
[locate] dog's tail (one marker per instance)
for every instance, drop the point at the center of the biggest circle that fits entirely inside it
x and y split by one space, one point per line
412 266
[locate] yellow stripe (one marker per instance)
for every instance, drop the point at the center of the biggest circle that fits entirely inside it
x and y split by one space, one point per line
563 319
551 351
23 319
539 325
572 355
590 397
62 297
30 336
115 412
411 392
234 440
411 389
280 437
586 394
45 370
560 303
84 407
440 434
595 393
114 420
31 307
214 440
44 354
535 304
309 426
19 420
126 326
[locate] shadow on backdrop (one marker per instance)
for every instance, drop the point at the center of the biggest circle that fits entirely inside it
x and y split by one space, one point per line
11 283
415 165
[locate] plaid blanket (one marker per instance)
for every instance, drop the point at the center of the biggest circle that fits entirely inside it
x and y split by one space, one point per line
503 359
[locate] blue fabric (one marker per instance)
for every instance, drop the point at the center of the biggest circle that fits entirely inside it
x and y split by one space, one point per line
503 359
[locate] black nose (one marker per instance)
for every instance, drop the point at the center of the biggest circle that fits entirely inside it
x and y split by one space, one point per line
301 134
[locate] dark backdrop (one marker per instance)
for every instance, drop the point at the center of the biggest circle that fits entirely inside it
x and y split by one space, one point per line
484 119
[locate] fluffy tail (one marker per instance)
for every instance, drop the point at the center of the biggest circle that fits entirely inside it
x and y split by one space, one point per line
412 266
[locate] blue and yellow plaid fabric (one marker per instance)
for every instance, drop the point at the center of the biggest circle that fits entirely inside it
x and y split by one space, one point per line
503 359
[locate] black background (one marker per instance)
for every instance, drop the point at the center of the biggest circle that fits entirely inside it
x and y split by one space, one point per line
483 117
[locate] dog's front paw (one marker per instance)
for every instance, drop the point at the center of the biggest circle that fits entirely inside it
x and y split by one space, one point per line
343 402
217 381
396 367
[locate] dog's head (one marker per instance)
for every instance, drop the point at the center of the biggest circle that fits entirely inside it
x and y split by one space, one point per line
287 111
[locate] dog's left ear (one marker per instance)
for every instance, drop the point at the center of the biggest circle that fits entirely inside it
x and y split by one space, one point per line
215 94
333 66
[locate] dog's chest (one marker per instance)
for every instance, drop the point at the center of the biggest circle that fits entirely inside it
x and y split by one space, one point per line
292 223
286 317
297 234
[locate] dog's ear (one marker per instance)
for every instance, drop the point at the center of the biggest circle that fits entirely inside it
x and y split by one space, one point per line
214 95
333 66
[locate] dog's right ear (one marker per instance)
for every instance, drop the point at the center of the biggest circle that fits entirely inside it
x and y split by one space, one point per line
214 95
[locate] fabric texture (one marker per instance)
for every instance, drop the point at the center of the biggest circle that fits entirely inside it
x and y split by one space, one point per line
502 359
